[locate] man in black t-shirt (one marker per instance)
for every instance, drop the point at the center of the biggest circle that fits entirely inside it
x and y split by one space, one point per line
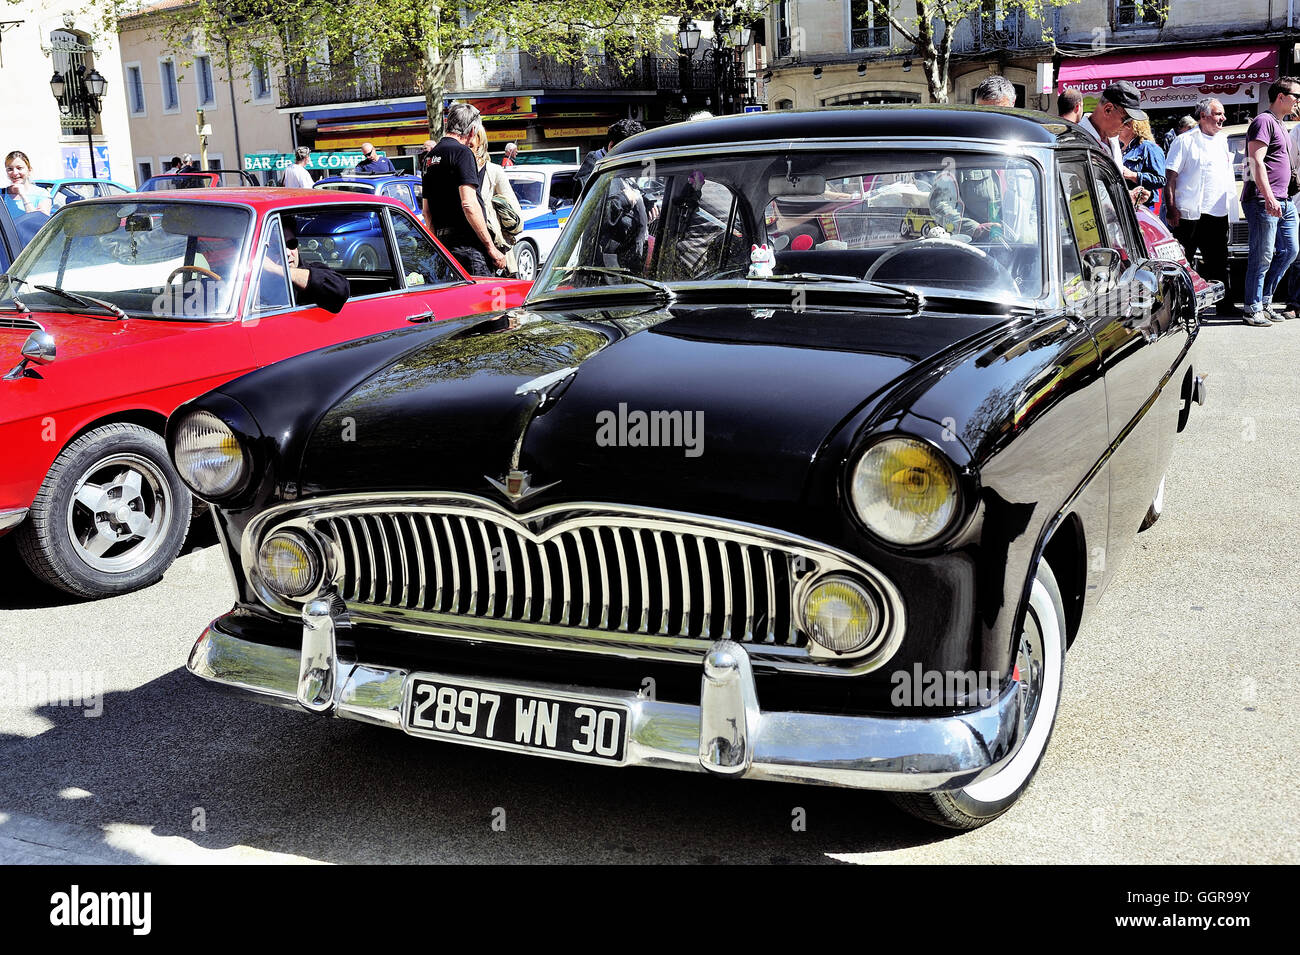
453 208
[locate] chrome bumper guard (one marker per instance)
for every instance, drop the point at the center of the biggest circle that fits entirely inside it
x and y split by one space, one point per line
12 518
726 734
1209 296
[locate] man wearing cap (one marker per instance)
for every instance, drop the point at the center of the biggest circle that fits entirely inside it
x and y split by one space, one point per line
1118 104
1270 213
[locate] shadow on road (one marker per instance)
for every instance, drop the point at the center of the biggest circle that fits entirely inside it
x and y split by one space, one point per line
22 590
335 791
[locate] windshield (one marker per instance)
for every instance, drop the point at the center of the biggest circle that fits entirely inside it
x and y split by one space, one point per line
368 188
528 189
162 183
966 222
159 259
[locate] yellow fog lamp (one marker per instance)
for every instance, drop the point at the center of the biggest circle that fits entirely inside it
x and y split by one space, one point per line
840 615
289 563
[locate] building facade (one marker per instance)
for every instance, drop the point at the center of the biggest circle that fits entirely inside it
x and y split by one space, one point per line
164 87
40 39
846 52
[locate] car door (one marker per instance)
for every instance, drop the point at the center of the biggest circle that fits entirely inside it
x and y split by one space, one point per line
1134 324
360 243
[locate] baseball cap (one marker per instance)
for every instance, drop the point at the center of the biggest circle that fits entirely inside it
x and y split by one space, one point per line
1124 95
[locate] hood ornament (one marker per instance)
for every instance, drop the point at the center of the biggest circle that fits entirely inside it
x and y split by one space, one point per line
514 484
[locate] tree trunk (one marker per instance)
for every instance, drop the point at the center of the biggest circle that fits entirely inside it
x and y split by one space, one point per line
434 71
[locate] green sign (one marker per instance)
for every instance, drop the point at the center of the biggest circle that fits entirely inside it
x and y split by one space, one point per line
335 161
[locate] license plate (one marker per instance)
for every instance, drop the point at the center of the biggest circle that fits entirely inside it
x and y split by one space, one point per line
567 726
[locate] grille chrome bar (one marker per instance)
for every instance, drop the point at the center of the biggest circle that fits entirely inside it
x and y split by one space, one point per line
672 584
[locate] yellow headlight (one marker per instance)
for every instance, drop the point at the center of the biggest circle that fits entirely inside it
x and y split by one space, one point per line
208 456
905 490
840 615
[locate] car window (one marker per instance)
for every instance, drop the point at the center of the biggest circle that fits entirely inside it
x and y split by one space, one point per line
564 189
109 189
345 238
272 280
422 262
527 187
1111 197
876 213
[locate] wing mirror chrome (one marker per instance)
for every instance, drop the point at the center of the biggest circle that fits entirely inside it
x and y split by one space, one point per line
38 349
1101 266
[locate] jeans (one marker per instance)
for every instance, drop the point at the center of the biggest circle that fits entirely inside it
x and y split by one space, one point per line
1273 246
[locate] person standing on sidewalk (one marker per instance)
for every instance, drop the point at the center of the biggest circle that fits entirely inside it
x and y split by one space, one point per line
1201 191
453 209
1270 212
297 176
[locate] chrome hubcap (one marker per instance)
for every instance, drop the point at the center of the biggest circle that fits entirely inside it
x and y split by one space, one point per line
119 513
1029 664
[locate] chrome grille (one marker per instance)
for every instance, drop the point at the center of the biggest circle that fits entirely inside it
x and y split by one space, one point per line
624 579
633 582
1239 233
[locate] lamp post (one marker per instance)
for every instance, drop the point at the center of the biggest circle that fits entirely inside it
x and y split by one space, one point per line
79 94
728 39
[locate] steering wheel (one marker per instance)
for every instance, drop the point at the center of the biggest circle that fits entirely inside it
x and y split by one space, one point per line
191 268
939 256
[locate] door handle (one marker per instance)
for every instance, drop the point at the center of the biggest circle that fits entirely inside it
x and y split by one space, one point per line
420 317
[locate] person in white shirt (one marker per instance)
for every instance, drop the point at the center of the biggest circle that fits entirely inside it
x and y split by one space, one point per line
1201 192
1118 105
297 176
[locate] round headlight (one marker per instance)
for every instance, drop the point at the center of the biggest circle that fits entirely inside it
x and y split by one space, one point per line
208 456
289 564
840 615
904 490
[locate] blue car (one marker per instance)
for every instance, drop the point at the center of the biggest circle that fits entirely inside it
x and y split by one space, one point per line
404 188
546 193
348 239
63 191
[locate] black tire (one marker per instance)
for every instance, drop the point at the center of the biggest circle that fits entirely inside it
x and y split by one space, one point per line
981 802
526 257
141 528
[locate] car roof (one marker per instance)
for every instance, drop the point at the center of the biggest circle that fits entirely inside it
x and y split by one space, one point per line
261 198
840 122
372 179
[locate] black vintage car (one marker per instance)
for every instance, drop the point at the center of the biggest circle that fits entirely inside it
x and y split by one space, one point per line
730 493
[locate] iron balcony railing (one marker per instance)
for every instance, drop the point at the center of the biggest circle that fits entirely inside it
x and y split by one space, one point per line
980 32
316 86
865 38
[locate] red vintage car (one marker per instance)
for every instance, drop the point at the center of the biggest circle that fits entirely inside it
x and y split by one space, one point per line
124 308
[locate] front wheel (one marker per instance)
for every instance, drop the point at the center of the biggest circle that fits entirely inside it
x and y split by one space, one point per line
111 515
1040 663
526 255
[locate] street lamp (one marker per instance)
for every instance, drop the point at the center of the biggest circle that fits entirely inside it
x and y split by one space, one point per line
79 94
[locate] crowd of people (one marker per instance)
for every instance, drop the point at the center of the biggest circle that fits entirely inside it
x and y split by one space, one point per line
1191 182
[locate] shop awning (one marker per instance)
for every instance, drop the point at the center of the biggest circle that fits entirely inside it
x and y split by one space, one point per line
1175 78
1241 64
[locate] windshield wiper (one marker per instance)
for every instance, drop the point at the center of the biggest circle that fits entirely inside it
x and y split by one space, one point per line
85 301
914 299
668 294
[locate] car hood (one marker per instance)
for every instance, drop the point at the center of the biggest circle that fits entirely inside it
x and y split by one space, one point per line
624 406
76 336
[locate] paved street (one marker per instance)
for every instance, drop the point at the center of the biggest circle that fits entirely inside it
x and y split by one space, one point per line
1174 743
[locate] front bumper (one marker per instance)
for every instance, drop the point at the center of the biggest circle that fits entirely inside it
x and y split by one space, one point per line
726 734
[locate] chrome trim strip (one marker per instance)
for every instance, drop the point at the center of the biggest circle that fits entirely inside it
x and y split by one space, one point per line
898 753
401 552
370 557
559 522
527 612
644 625
472 606
726 589
663 581
624 602
454 603
12 518
770 569
419 558
490 568
749 586
604 578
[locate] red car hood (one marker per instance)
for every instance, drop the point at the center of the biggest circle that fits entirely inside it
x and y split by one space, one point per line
75 335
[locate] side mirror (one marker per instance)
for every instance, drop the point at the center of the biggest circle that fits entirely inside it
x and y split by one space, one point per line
38 349
1101 266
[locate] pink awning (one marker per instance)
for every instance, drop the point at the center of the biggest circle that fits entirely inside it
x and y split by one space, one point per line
1148 71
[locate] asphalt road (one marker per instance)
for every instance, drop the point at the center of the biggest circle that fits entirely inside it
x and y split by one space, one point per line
1175 743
